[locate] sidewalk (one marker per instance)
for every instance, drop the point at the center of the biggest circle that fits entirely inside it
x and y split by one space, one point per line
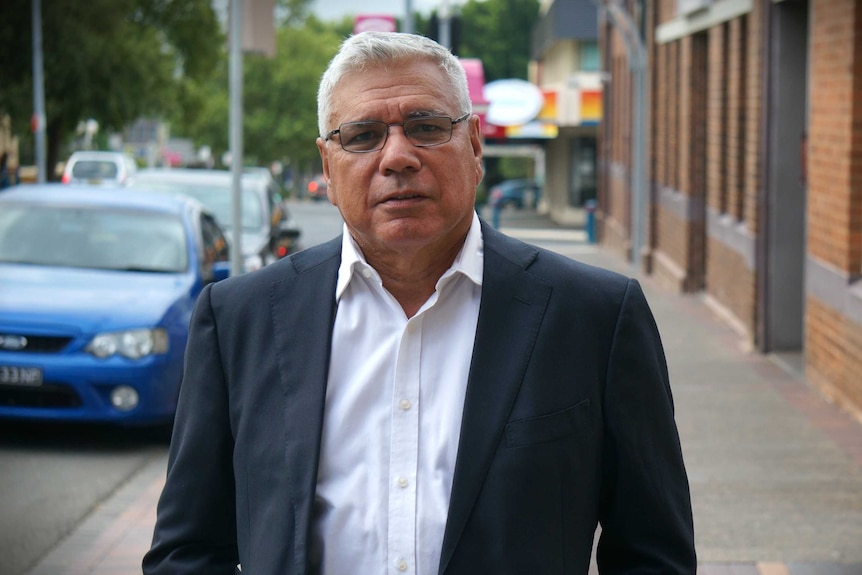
775 471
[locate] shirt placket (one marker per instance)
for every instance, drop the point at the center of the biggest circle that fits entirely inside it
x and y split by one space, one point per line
404 451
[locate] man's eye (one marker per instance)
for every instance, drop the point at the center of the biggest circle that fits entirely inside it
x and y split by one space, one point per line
425 128
364 135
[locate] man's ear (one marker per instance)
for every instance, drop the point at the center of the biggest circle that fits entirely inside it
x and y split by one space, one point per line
476 144
324 159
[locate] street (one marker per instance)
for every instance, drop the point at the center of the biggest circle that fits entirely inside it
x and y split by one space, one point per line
54 475
775 470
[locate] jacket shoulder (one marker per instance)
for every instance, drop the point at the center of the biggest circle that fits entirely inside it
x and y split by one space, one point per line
556 269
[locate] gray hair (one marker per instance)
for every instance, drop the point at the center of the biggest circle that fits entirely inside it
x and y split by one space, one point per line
366 49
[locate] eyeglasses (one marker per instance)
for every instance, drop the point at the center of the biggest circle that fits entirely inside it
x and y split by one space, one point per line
371 136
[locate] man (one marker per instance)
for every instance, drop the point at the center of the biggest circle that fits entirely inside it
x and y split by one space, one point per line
422 395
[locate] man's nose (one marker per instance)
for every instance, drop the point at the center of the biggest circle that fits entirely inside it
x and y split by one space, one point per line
398 152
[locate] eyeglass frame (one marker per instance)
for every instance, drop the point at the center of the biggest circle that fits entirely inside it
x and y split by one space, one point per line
453 122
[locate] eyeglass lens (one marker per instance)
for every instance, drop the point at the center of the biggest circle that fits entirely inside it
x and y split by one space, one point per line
371 136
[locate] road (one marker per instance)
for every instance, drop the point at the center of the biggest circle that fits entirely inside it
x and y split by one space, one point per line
319 221
53 476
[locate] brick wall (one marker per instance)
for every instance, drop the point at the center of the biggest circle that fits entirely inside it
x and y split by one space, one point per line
751 128
728 187
833 337
680 146
834 166
730 275
614 214
668 144
717 120
833 358
736 55
732 286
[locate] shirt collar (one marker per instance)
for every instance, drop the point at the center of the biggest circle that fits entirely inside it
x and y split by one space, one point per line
468 262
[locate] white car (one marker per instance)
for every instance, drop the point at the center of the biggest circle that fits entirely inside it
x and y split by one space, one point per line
268 231
86 167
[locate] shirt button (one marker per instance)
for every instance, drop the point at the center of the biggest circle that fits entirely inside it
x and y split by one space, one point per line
401 565
366 273
405 404
402 481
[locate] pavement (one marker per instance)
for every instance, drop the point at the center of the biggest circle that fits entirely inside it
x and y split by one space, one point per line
775 470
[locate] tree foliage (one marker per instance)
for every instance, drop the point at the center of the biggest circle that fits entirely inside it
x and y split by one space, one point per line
110 60
499 33
279 97
281 93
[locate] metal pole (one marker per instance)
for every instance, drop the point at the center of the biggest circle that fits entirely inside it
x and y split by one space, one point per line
445 26
236 260
408 17
38 93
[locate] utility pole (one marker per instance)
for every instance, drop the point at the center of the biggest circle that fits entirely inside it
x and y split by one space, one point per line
408 17
235 133
445 21
38 119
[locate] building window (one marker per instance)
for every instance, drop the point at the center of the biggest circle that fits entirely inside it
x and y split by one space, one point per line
591 60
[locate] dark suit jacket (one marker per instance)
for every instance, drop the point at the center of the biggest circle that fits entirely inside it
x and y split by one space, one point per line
568 422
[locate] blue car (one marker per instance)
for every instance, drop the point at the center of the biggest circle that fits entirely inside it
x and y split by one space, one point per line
517 193
97 287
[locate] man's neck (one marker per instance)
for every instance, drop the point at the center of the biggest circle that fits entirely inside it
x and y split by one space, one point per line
412 277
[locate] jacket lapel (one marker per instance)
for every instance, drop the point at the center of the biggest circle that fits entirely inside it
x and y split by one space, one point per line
510 314
303 311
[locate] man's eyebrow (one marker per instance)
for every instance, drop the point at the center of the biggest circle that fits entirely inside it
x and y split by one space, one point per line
424 114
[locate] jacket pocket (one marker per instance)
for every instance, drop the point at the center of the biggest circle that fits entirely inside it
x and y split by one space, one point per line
548 427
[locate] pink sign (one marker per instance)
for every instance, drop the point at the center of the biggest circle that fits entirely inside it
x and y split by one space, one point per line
374 22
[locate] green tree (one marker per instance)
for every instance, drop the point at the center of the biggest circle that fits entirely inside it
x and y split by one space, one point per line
110 60
281 93
279 96
499 33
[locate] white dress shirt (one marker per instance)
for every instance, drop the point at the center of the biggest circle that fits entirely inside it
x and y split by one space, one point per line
392 422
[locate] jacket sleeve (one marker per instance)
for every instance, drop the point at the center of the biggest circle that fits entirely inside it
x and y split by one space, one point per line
195 528
645 513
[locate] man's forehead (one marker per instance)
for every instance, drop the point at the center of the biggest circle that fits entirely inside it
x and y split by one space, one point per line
388 72
389 87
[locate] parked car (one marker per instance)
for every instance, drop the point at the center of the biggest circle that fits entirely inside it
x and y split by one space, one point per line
96 293
266 176
268 230
317 188
521 193
90 167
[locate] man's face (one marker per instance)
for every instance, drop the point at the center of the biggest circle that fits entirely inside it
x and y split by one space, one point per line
402 197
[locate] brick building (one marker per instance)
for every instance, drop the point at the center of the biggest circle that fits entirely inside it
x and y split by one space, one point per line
752 188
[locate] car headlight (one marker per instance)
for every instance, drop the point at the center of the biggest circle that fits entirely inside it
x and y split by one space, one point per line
133 343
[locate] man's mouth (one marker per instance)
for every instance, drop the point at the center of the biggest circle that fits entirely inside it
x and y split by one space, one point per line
402 197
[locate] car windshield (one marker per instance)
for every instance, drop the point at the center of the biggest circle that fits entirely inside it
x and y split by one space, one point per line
218 199
94 169
99 238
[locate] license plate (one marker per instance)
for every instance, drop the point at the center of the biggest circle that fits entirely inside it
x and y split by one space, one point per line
13 375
